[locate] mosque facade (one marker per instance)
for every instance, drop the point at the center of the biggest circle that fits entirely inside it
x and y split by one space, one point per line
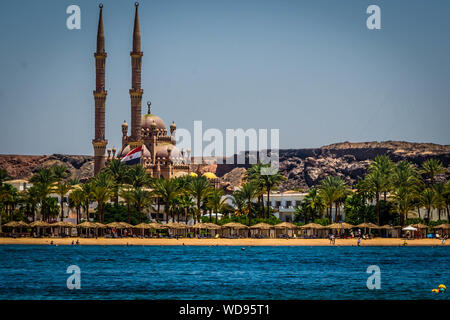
160 155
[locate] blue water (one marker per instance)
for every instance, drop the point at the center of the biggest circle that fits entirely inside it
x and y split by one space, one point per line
153 272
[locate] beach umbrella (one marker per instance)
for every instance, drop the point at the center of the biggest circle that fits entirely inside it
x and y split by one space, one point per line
156 226
125 225
115 225
286 225
442 226
235 225
142 226
212 226
16 224
409 228
386 227
41 224
312 226
262 226
176 225
199 225
341 225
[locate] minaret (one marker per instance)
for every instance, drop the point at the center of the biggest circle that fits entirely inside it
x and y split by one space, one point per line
99 142
136 91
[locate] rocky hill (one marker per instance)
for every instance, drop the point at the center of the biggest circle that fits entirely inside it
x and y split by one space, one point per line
304 168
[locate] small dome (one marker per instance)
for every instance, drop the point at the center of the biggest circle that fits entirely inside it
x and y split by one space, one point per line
162 151
193 174
148 119
124 124
173 125
209 175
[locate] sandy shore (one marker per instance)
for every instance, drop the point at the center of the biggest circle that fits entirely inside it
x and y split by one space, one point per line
221 242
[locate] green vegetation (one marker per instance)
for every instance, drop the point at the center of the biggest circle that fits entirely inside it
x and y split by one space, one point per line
389 193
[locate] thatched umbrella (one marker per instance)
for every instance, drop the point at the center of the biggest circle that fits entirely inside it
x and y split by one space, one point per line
261 227
16 224
142 226
367 225
87 225
444 226
38 225
420 226
176 226
340 225
234 226
286 226
212 226
199 225
156 226
313 227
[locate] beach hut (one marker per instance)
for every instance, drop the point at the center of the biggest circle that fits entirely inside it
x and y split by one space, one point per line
445 228
340 226
409 231
87 226
16 224
177 229
156 226
235 229
386 230
261 230
367 226
142 227
38 225
313 230
204 226
285 229
422 230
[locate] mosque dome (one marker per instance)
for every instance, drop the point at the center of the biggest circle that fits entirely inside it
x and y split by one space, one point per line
149 119
162 151
209 175
193 174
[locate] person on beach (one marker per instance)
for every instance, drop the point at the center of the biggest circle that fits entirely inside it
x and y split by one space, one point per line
78 242
330 236
359 241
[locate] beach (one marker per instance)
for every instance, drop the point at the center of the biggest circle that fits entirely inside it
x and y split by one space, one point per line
392 242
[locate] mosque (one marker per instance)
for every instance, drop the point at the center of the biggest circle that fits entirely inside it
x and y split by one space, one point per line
160 155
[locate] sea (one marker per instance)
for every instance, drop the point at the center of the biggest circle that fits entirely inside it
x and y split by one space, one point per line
39 272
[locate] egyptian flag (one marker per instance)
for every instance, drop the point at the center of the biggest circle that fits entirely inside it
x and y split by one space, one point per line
133 157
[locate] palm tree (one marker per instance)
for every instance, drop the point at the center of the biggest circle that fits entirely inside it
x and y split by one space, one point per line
332 189
253 175
431 168
167 190
199 188
128 197
314 203
31 198
4 176
447 199
141 199
271 182
384 165
59 172
86 188
137 177
61 189
118 171
101 192
403 202
43 180
429 200
375 181
238 201
439 189
76 199
249 191
216 202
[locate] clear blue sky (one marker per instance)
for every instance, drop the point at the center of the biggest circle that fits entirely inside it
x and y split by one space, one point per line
310 68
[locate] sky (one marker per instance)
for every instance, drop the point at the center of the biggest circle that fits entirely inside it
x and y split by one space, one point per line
311 69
